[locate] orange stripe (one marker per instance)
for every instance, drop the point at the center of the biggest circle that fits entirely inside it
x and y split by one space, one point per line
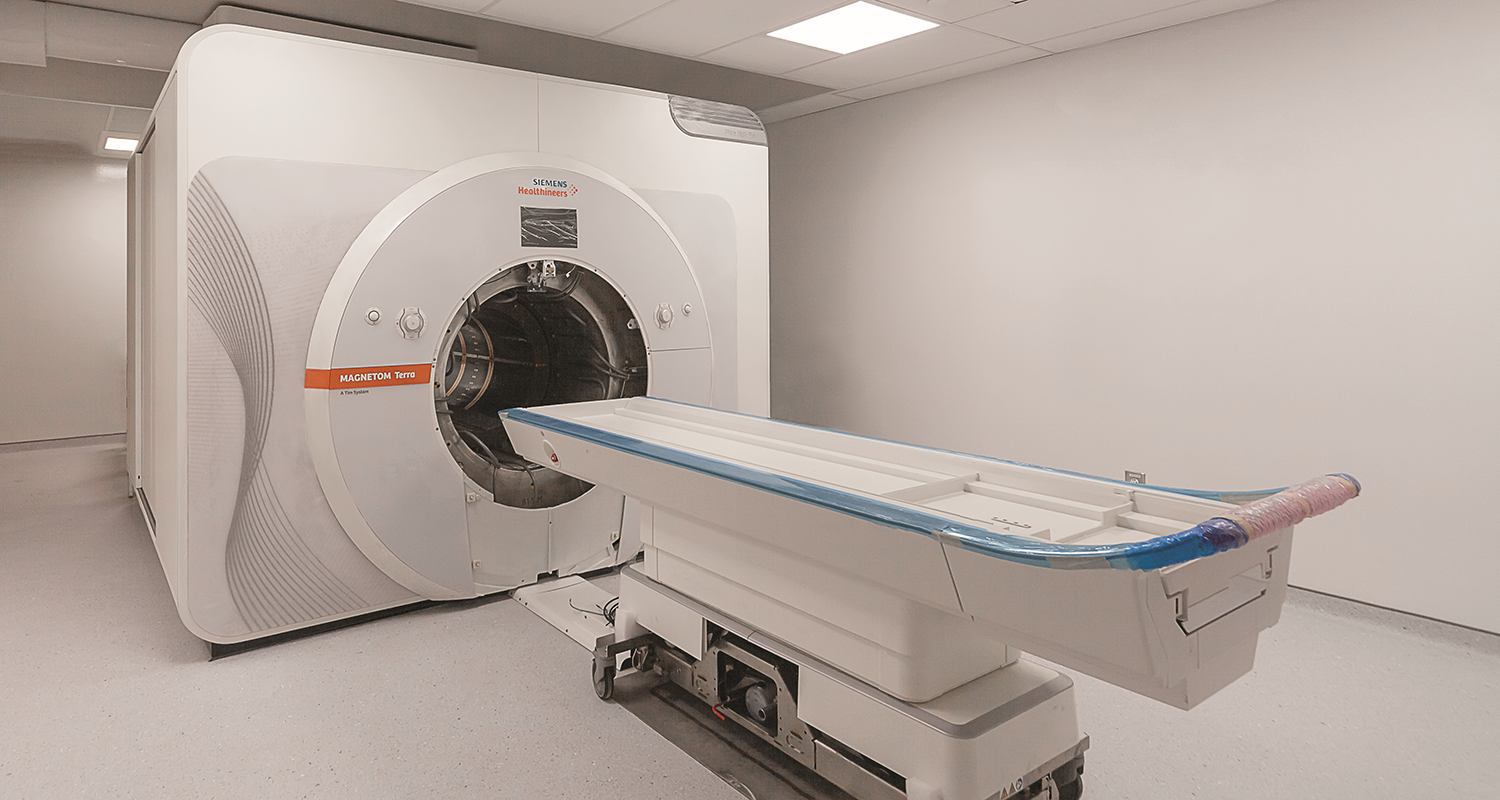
366 377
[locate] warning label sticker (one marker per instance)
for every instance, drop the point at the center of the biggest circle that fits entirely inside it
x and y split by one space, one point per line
367 377
1012 790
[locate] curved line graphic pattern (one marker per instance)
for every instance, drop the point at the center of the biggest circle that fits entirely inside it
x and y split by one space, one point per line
274 578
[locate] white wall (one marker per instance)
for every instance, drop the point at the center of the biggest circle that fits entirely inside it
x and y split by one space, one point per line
62 293
1233 254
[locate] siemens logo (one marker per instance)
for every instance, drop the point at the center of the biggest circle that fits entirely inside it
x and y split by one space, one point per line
546 187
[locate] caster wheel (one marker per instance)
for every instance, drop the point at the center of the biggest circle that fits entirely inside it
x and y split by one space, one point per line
1071 791
604 680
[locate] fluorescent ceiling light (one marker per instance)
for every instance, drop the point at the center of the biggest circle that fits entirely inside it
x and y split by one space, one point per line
853 27
120 144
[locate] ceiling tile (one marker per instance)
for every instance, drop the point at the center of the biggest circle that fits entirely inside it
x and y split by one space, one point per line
930 49
694 27
767 55
23 38
1035 20
81 82
38 119
947 10
470 6
973 66
106 37
807 105
127 120
582 17
1147 22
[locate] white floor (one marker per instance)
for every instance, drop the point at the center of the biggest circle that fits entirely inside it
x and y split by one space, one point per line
103 693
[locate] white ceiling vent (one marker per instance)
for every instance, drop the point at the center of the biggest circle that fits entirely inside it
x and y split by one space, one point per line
710 120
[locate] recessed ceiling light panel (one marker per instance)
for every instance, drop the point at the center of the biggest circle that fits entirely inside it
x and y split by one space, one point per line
120 144
853 27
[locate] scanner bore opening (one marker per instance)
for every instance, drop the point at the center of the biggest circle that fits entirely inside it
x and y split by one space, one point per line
539 333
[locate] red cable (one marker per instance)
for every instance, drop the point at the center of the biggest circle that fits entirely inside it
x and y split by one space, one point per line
716 712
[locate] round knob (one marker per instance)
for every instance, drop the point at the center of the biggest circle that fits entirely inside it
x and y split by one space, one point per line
411 323
663 316
373 316
687 309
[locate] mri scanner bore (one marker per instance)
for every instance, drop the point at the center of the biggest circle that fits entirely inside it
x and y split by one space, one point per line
539 333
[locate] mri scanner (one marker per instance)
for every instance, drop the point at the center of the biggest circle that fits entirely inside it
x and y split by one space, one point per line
347 260
408 329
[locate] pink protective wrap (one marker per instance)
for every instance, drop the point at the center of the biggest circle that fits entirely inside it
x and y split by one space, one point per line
1290 506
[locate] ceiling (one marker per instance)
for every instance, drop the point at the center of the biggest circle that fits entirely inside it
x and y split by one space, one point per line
71 71
495 42
972 35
